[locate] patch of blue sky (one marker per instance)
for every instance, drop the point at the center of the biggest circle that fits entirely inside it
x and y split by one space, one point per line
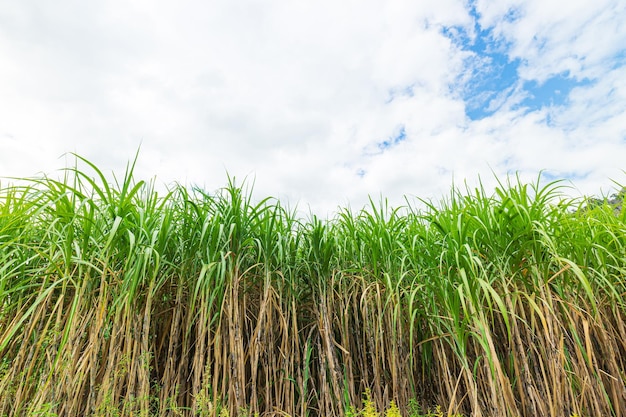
552 92
399 135
562 176
491 76
619 60
489 72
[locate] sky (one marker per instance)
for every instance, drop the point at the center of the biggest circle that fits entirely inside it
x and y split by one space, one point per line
318 103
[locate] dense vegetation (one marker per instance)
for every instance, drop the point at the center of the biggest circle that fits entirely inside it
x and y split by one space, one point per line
117 301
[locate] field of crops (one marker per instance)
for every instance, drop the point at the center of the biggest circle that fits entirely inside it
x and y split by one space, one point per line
118 301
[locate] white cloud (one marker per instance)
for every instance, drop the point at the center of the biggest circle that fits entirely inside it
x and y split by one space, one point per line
297 94
552 38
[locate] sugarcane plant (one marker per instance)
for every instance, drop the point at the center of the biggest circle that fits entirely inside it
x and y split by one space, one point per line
117 299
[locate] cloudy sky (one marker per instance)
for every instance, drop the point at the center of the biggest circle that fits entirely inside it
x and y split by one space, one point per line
321 103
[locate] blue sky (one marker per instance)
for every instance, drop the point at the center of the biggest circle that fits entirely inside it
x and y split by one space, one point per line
320 103
494 72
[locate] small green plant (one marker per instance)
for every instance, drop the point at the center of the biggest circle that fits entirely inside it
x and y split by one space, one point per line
46 410
393 410
414 409
204 405
244 412
369 408
351 411
436 413
107 408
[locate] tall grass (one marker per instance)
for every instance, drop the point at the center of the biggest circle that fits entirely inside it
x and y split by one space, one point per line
118 301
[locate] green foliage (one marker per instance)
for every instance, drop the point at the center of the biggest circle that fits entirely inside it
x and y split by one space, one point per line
393 410
118 300
369 408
